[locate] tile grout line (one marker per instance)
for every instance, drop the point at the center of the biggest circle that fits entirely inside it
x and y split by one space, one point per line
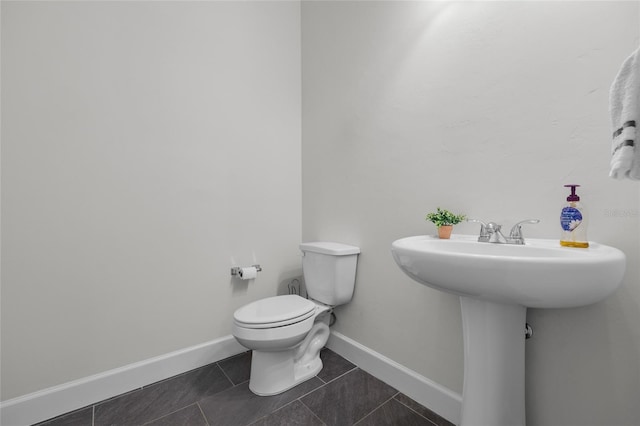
168 414
342 375
225 374
322 385
312 412
206 420
260 418
272 412
223 370
376 409
427 419
310 392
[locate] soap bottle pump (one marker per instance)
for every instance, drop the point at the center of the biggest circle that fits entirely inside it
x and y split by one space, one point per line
573 220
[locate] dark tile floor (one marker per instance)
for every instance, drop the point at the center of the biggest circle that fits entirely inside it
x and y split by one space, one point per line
218 394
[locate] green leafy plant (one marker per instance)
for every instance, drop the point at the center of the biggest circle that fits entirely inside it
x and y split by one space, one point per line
444 217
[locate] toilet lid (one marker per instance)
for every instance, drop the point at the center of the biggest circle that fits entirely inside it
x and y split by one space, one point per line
274 312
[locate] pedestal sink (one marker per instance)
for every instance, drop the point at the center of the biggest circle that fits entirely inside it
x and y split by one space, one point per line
496 284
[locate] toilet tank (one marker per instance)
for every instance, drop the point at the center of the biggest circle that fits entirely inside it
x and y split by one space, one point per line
329 271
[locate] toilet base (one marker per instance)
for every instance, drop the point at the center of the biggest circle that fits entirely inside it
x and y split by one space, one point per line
275 372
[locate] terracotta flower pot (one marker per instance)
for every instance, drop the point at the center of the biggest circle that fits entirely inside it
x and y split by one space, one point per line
444 231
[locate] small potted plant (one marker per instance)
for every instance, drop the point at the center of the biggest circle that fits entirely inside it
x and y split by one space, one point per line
445 220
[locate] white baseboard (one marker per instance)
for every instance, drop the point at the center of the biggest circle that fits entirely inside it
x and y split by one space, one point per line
45 404
437 398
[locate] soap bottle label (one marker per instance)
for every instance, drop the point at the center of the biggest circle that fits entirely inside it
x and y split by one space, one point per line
570 218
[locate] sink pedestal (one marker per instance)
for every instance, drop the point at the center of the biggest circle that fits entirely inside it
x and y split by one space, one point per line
493 391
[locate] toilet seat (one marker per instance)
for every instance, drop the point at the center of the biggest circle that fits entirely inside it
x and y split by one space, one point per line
278 311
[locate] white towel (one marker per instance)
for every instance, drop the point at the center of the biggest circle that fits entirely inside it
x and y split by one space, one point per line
624 106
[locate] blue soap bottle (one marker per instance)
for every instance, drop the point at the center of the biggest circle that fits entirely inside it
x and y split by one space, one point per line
573 220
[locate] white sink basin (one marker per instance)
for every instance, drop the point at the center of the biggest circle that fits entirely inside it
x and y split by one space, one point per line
496 283
540 274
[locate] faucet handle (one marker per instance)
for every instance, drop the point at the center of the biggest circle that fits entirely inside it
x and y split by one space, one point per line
484 234
516 231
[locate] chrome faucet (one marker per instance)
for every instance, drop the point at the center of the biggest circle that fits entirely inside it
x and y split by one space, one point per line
491 232
495 235
515 236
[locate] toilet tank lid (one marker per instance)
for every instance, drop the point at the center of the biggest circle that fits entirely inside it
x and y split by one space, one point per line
333 249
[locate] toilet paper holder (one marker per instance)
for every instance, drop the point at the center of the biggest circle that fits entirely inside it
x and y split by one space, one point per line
235 271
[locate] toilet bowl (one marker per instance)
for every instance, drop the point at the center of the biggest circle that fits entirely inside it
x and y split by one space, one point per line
286 333
286 345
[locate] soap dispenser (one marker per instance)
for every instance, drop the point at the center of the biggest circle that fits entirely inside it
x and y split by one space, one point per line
573 220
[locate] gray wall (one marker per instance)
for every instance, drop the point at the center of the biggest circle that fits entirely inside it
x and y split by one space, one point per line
485 108
146 148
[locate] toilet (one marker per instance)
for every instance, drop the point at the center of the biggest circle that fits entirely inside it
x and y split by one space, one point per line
287 332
